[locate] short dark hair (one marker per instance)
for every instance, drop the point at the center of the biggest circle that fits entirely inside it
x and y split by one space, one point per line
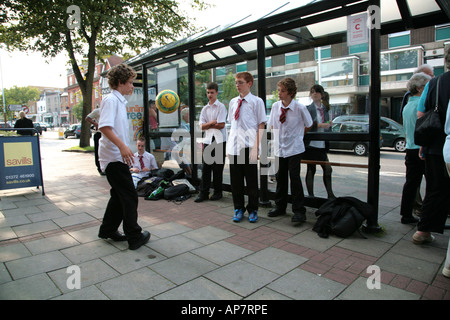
120 74
212 86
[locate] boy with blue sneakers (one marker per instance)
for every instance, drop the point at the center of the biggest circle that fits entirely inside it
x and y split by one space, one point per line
247 116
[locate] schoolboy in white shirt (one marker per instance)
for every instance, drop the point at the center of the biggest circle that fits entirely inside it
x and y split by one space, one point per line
115 159
212 121
144 162
288 120
247 116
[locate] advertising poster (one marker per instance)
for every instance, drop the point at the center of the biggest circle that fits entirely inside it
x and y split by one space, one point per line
20 162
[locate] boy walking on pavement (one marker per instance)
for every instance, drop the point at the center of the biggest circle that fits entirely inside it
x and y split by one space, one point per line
212 121
247 115
116 158
288 120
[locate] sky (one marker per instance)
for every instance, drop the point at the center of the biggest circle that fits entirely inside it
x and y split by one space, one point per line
32 69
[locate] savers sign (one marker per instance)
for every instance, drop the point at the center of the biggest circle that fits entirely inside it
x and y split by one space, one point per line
20 162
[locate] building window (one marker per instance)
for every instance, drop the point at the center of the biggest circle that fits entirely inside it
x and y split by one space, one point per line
400 39
406 59
241 67
269 62
292 57
443 32
358 48
221 71
325 52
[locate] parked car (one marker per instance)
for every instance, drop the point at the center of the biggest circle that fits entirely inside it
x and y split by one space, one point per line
394 135
44 125
38 127
360 148
74 131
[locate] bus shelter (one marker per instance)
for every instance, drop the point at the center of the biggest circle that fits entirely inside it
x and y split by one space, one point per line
335 43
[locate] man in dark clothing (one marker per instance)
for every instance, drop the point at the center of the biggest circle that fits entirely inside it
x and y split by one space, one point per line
24 122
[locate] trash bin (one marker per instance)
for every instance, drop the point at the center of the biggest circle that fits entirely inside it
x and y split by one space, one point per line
61 133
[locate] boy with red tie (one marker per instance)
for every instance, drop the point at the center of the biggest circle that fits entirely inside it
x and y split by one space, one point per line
288 120
247 116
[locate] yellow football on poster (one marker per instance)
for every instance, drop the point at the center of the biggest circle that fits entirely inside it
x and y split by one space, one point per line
167 101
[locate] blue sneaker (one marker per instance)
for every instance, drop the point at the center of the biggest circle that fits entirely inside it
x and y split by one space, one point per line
238 215
253 216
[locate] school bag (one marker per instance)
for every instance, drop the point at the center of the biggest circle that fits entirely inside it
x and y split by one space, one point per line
342 217
174 192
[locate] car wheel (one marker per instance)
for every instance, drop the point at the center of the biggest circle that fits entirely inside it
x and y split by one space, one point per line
65 136
400 145
360 149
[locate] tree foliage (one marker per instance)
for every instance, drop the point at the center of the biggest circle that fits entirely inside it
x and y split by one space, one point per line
19 95
92 29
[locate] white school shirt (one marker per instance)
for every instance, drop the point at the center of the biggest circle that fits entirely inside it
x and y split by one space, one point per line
95 115
113 113
149 161
244 130
288 136
315 143
216 111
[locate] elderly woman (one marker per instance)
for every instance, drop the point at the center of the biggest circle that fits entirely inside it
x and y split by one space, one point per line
415 167
436 203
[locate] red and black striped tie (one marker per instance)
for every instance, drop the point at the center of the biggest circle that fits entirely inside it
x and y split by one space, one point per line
236 114
283 115
141 162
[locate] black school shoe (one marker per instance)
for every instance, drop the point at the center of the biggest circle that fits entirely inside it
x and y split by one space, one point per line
116 236
298 217
145 236
216 196
201 197
275 212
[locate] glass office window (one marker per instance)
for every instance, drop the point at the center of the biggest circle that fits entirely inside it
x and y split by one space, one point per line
400 39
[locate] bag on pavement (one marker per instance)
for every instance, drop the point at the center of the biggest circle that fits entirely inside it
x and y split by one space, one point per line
342 217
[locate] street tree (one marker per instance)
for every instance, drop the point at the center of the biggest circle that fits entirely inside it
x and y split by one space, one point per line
91 30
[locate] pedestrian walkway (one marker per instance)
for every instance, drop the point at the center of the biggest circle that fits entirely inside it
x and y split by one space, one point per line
196 252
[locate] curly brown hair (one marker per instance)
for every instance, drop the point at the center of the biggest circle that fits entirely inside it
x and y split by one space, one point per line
290 85
120 74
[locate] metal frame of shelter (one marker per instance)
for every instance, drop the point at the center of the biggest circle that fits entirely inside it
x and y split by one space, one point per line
315 12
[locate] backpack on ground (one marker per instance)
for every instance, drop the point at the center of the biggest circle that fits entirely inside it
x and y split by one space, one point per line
179 190
342 216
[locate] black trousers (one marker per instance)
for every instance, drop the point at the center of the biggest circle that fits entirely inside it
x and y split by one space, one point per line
123 204
415 170
97 137
436 204
289 168
213 161
241 170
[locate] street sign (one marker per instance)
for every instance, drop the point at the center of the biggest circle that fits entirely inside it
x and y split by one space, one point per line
14 107
357 31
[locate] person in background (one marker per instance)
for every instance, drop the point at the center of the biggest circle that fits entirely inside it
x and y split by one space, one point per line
93 118
144 162
115 159
446 151
247 116
23 122
436 203
212 121
317 150
288 119
415 167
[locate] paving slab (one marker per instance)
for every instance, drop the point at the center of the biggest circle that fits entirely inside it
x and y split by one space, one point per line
303 285
359 290
137 285
199 289
37 287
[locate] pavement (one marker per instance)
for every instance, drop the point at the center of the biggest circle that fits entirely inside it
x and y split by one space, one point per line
49 248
